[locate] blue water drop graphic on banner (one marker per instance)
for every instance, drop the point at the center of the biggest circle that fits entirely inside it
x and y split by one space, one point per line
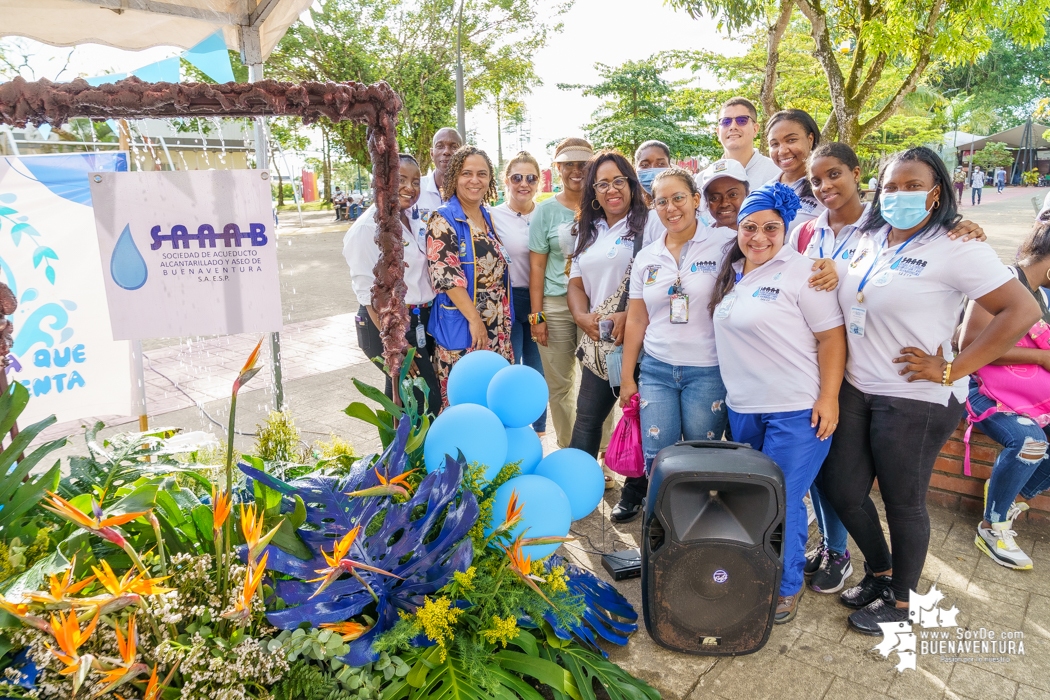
126 265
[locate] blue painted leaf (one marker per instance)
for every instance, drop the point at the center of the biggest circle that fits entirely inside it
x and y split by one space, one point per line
8 197
397 546
7 211
604 605
42 252
50 274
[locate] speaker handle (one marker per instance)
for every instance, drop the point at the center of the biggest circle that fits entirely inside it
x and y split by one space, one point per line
718 444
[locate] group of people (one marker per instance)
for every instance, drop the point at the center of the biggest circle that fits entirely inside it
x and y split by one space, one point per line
977 178
760 301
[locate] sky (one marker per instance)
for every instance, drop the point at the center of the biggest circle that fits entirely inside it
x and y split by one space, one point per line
596 31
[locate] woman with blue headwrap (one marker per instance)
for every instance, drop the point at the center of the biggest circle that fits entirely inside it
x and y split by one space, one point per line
782 352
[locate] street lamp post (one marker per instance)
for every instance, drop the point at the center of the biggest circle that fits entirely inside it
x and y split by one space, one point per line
461 111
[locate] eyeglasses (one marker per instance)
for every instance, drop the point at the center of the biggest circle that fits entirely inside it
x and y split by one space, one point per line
678 200
770 229
740 121
603 186
516 178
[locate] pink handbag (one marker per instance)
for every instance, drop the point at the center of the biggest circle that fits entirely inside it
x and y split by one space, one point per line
624 454
1020 389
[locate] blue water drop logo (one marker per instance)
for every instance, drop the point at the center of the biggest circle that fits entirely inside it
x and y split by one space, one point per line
757 292
126 265
896 264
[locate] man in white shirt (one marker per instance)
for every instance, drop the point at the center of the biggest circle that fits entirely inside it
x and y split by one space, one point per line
737 129
976 185
446 142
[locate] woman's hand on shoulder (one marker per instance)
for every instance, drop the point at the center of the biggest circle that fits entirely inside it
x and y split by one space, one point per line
967 230
825 277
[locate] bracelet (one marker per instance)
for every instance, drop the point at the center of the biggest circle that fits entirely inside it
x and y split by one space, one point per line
947 374
538 317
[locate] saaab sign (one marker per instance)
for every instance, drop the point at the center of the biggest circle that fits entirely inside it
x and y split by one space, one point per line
187 253
63 351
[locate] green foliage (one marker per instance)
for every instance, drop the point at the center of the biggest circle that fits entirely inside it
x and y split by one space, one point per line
16 557
994 155
587 668
278 440
640 105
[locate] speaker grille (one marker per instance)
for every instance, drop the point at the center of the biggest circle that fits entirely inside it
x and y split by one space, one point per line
711 590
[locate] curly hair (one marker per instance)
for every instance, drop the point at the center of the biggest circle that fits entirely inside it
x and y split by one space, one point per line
455 166
590 210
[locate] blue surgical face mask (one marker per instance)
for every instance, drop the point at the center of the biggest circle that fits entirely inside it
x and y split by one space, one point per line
904 210
646 177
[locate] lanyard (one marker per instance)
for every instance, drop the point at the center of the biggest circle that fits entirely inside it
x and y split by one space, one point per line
838 250
875 262
739 276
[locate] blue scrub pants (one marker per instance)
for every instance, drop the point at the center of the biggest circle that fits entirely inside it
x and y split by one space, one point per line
788 440
832 531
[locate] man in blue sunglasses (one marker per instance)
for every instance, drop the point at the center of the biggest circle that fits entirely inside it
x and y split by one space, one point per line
737 128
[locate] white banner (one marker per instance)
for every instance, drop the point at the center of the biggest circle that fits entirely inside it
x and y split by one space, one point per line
63 350
188 253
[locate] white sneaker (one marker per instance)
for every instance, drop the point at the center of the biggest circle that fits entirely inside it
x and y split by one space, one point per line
998 543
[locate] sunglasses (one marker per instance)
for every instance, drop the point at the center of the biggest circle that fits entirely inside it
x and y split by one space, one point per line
516 178
740 121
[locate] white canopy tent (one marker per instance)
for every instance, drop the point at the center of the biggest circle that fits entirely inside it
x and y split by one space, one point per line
251 26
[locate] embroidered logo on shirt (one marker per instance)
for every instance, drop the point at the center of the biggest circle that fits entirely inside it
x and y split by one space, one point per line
767 293
909 267
424 214
650 274
776 277
462 249
708 267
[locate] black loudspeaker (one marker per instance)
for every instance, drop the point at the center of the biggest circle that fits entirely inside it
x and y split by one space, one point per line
712 548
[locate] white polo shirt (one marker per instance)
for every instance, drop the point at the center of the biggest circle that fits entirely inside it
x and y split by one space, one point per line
362 254
604 263
912 298
760 170
655 270
429 197
764 334
513 230
826 244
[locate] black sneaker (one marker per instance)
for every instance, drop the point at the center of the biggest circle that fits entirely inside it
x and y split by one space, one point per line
625 511
815 558
832 575
866 592
883 609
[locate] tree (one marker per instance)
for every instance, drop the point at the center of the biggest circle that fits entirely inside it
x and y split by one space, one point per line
503 86
993 155
865 47
640 104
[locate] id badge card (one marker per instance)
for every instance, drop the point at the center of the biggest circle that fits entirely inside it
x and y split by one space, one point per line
857 317
421 335
725 306
679 308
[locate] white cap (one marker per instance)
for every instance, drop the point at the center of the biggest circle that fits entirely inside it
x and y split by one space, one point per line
724 167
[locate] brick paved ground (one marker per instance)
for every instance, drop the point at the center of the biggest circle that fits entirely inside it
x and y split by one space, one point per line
814 657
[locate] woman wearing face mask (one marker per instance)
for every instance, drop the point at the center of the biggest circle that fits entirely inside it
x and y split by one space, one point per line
651 158
362 253
903 392
681 390
468 266
781 350
792 135
512 219
550 244
612 219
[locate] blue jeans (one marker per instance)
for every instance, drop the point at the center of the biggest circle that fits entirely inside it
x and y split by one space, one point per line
788 440
526 351
832 531
1022 467
679 402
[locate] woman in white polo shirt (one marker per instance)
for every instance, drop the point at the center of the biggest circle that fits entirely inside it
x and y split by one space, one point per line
792 135
680 387
512 219
903 393
362 253
612 224
781 350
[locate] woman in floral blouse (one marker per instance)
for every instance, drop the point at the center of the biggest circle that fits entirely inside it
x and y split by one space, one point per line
469 267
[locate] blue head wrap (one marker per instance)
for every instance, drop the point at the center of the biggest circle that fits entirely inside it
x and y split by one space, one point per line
774 195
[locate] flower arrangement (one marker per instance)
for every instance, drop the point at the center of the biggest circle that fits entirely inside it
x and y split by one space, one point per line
150 575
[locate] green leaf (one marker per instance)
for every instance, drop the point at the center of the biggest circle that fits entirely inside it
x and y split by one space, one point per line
540 669
204 520
362 412
526 641
370 392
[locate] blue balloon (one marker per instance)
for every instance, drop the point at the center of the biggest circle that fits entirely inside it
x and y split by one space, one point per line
545 512
578 474
518 395
470 376
471 429
524 444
